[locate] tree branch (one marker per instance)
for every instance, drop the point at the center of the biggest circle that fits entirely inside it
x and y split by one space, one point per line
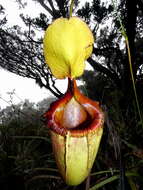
52 11
46 7
100 68
25 59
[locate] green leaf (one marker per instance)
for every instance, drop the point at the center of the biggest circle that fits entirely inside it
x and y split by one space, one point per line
110 179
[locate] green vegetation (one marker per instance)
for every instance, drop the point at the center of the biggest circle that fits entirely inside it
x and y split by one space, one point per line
26 158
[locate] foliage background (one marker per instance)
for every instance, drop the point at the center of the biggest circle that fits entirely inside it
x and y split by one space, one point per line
26 158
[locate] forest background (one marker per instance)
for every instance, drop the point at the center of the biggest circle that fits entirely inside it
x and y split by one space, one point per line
26 158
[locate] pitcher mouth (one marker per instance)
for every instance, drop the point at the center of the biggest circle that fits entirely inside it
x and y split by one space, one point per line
88 118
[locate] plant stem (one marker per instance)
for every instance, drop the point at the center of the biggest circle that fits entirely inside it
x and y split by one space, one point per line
130 62
133 81
71 8
87 183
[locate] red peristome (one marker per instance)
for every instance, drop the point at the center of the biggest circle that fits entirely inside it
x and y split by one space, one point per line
50 114
54 115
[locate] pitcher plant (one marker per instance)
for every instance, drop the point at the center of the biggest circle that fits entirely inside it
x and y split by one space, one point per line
75 121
